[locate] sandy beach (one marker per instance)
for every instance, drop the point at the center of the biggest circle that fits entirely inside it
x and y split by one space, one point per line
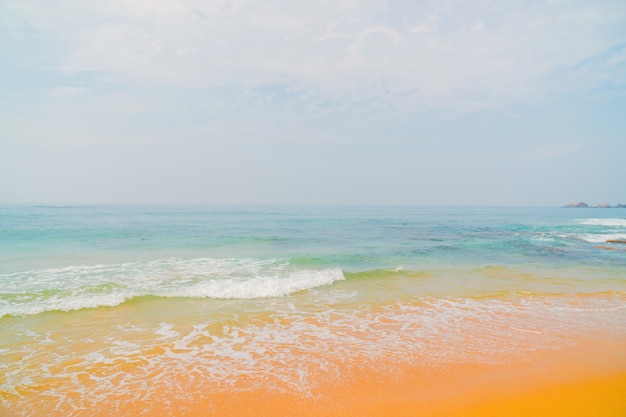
310 313
585 380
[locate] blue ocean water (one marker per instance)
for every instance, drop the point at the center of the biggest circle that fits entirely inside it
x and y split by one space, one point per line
72 257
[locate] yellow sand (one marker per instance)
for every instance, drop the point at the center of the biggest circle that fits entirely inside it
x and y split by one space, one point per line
588 379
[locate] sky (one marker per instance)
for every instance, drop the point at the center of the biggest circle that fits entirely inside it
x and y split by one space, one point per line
449 102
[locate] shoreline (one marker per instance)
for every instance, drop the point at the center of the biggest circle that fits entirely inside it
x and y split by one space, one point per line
562 383
578 381
586 379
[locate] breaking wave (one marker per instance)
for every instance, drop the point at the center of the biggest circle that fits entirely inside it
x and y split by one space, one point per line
78 287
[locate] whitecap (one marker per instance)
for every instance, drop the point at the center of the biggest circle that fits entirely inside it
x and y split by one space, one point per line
604 222
601 238
91 286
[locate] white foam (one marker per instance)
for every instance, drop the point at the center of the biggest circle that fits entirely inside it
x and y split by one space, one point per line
167 331
61 304
78 287
259 287
604 222
602 238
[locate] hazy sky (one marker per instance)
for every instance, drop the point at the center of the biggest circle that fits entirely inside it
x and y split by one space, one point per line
515 102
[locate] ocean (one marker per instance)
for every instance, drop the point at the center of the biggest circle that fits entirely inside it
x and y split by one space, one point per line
189 310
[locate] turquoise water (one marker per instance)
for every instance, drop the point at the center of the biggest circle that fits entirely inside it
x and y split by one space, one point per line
105 306
70 257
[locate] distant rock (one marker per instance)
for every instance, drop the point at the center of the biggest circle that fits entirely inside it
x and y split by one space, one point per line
580 204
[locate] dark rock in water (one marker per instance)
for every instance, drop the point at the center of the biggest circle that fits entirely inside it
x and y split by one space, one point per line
611 248
581 204
622 241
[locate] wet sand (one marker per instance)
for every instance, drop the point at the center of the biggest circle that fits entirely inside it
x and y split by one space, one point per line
586 379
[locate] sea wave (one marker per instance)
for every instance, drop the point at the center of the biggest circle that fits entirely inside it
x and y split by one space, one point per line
604 222
602 238
91 286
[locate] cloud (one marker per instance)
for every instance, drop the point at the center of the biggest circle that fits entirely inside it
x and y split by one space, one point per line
67 92
454 55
